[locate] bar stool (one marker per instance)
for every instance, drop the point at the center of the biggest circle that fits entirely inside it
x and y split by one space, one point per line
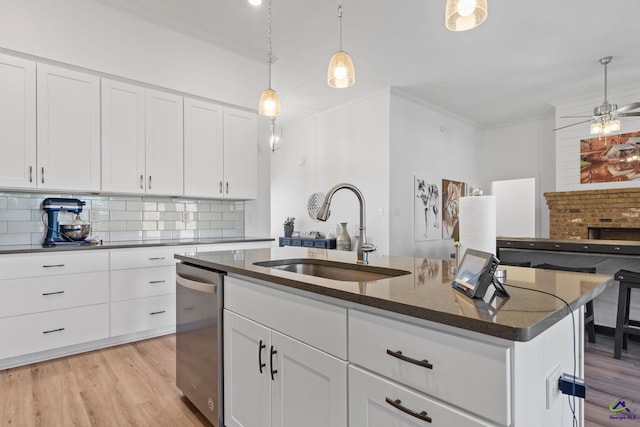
624 326
589 319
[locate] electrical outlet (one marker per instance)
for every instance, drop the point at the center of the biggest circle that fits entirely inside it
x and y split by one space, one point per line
553 391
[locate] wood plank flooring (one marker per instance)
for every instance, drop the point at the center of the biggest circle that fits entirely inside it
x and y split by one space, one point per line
134 385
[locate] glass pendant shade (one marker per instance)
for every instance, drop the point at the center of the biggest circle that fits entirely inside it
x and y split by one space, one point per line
605 126
462 15
269 104
275 139
341 72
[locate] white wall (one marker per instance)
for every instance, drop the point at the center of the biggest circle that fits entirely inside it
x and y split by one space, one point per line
91 35
568 140
522 150
347 144
430 143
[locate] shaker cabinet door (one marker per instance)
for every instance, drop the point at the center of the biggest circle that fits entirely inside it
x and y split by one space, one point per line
68 129
17 122
240 154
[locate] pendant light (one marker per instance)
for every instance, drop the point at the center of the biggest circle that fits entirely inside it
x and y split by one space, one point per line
341 73
269 104
275 138
462 15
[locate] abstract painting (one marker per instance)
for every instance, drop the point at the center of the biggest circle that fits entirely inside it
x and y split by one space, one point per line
426 216
610 158
451 193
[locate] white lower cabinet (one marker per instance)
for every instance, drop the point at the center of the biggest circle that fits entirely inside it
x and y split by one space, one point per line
377 402
48 330
273 379
143 314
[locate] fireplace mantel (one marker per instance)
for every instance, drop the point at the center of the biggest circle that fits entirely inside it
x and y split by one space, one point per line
572 213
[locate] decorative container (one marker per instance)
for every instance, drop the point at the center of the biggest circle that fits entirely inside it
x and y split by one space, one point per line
343 242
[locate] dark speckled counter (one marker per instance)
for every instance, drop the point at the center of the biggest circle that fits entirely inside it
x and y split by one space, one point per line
16 249
426 292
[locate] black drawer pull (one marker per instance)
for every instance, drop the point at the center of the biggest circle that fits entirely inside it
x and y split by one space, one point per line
156 258
399 355
157 312
157 281
53 266
53 330
261 347
273 371
52 293
398 405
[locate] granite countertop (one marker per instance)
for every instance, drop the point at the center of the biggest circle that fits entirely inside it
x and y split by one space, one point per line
426 292
15 249
623 247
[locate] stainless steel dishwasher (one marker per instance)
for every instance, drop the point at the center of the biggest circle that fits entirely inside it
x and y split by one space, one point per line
199 339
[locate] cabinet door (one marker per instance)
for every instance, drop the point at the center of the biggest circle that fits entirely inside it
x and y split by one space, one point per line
68 129
17 122
240 154
123 132
309 387
164 144
203 162
247 380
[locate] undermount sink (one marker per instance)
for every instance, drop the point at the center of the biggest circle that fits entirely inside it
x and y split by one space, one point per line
333 270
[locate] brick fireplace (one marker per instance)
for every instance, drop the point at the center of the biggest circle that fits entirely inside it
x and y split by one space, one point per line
597 214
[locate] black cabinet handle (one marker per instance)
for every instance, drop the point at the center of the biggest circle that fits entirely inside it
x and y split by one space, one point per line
398 354
42 174
398 405
53 330
156 258
153 282
52 293
273 371
30 173
157 312
53 266
261 347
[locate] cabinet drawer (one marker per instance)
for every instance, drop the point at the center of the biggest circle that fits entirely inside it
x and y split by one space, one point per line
142 314
37 294
316 323
146 257
50 264
471 374
234 246
369 407
53 329
143 282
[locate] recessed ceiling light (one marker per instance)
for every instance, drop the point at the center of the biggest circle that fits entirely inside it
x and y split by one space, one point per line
255 2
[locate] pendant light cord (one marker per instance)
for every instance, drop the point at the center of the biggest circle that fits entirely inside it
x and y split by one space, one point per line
269 52
340 23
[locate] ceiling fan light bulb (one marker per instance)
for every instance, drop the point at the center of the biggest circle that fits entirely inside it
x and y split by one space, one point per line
341 72
269 104
614 125
596 128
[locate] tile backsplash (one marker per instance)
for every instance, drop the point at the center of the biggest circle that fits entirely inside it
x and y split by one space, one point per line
117 218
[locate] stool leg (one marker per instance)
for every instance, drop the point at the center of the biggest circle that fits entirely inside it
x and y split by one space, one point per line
622 300
625 324
590 324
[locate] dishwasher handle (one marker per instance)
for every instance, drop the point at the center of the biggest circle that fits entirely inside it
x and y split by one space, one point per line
196 286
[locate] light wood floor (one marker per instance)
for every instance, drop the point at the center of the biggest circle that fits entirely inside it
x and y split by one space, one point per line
134 385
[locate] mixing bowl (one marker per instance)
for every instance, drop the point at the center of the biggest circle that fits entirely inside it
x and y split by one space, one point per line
75 232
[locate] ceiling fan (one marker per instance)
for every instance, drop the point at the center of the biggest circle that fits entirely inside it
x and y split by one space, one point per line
604 119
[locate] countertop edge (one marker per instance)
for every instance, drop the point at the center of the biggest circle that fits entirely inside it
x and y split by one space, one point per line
132 244
480 326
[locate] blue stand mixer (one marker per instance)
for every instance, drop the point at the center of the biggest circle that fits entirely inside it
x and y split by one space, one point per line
64 234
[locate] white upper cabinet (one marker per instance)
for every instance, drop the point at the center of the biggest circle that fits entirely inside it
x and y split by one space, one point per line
221 151
164 143
123 138
17 122
203 149
68 147
240 154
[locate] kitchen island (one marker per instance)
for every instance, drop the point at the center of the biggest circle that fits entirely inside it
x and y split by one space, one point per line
409 347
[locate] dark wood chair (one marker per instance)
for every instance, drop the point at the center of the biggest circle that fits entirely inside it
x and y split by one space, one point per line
589 320
628 280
